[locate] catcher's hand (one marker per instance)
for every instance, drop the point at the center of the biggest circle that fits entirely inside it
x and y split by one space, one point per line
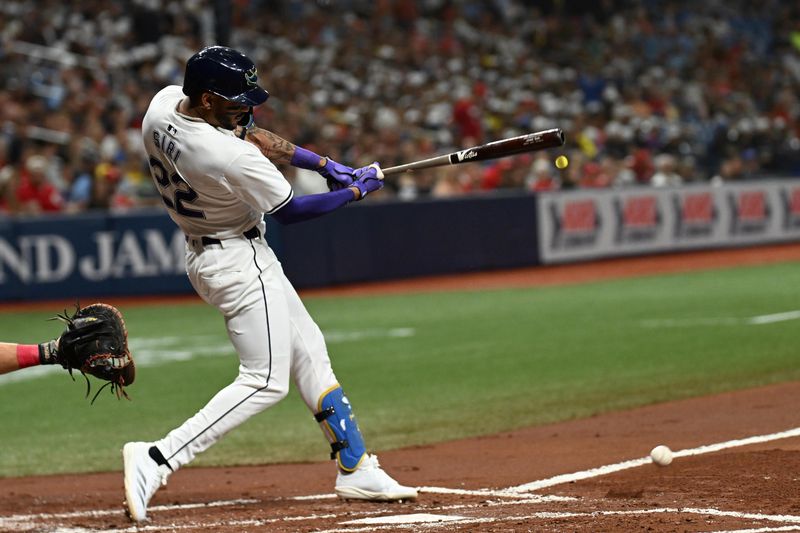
95 342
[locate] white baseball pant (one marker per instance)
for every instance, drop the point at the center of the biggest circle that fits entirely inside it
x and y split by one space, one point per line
271 330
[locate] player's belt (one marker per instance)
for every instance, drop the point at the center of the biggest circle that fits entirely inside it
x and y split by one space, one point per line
252 233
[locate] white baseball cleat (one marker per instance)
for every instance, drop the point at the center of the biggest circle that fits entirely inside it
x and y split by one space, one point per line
370 482
143 477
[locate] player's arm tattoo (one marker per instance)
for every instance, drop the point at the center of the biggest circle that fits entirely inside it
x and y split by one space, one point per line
276 148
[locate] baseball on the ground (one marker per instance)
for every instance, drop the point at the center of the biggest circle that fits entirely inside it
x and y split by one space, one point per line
661 455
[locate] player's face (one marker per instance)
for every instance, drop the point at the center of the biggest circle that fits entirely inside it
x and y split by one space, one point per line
225 114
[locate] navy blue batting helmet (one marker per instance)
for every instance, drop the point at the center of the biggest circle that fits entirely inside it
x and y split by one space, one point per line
225 72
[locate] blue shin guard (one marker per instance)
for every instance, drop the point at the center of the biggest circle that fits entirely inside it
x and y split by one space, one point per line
338 422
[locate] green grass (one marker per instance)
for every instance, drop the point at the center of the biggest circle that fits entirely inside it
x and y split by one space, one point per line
477 363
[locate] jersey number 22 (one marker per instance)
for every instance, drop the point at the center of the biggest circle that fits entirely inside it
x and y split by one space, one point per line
181 193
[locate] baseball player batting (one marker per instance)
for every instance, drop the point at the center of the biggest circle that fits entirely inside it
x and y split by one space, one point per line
216 173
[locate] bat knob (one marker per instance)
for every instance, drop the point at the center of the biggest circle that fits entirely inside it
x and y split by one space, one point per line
377 167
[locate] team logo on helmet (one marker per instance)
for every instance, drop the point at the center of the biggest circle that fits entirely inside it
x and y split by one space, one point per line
251 76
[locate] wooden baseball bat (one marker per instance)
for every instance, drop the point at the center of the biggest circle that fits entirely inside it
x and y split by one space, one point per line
529 142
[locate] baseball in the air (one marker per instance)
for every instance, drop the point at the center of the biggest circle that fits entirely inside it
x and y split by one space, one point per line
562 161
661 455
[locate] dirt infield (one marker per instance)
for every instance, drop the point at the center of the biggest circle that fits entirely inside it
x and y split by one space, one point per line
737 466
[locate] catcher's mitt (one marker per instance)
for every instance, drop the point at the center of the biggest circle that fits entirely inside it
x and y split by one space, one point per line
95 342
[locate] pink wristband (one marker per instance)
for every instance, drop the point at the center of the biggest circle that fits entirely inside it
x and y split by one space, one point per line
27 355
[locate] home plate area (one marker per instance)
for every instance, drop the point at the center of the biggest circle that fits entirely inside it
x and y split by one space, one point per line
717 492
735 469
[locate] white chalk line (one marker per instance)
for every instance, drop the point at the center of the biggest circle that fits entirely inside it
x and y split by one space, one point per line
464 492
430 521
503 493
120 511
720 321
328 496
191 525
195 525
518 492
412 518
337 336
29 520
549 515
777 317
624 465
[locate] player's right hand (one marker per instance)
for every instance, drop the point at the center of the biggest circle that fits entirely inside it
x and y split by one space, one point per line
368 179
337 175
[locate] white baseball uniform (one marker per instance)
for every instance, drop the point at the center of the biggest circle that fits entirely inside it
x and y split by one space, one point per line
217 188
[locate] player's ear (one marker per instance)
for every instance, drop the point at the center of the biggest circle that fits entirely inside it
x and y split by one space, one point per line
206 100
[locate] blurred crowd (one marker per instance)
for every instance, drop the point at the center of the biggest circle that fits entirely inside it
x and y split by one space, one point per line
648 92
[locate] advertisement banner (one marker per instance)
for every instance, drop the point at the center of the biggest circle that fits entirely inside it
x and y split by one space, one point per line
80 256
586 224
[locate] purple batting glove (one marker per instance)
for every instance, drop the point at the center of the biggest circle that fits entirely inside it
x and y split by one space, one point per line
337 175
368 179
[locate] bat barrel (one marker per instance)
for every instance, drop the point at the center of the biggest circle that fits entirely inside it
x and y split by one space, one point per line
530 142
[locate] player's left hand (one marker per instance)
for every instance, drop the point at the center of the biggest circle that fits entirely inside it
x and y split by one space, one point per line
369 179
337 175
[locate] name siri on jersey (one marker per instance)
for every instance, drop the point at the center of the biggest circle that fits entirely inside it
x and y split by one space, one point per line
166 143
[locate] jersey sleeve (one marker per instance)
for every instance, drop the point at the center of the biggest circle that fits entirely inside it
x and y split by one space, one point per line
257 181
